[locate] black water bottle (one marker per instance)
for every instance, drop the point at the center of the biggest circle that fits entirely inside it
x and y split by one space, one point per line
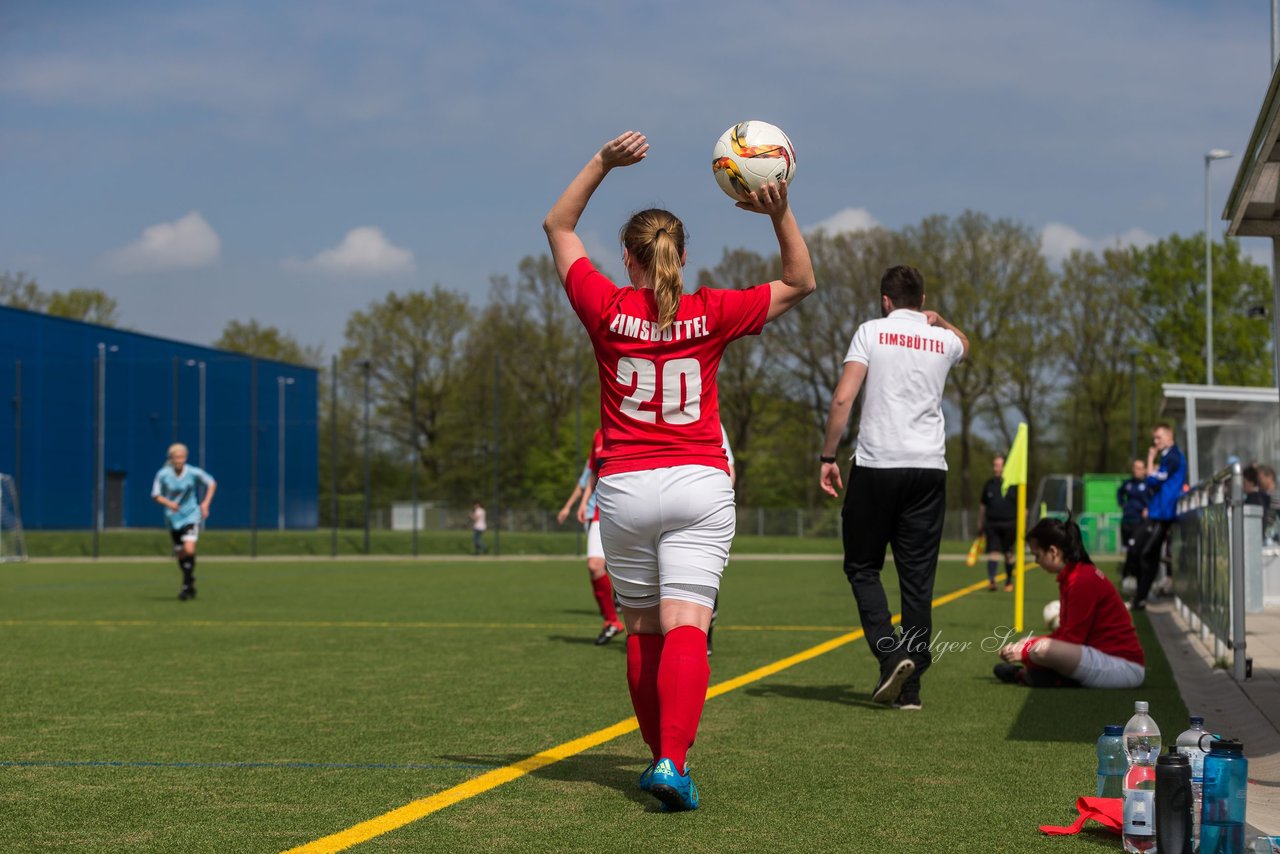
1173 803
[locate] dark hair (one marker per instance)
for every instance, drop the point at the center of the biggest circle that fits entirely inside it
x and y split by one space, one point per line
655 238
1250 473
1063 533
904 286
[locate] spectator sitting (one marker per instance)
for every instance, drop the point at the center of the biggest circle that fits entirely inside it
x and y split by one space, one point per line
1095 644
1267 485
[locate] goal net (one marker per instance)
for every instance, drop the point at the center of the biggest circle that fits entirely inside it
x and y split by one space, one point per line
12 545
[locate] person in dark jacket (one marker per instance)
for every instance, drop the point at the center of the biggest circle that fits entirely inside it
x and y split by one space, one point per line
1133 496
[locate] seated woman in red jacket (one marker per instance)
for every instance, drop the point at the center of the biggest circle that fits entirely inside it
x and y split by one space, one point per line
1095 645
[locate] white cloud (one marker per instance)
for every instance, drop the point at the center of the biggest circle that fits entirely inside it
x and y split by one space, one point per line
184 244
365 251
1057 241
846 221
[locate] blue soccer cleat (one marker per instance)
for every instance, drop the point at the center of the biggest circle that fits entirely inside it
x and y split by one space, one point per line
646 777
676 791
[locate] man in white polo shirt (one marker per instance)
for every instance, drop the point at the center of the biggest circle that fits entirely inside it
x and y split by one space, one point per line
897 482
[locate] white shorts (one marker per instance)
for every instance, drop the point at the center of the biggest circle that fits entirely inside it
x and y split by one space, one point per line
666 533
595 548
1099 670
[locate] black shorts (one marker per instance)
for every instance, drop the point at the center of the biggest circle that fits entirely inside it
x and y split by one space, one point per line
186 532
1001 537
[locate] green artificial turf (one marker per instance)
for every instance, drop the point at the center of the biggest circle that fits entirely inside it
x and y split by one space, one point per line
216 542
224 712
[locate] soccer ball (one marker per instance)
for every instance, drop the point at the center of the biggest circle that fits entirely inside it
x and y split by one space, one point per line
1051 612
749 155
1129 585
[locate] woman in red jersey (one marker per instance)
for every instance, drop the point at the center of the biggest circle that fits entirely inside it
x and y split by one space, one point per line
1095 644
666 503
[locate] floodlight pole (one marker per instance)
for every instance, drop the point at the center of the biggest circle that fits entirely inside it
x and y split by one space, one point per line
199 366
333 457
367 365
413 436
1212 155
1133 405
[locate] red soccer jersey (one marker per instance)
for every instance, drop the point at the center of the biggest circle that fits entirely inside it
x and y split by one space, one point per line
658 400
1092 614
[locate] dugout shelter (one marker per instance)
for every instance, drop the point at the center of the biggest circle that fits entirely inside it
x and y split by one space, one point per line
93 409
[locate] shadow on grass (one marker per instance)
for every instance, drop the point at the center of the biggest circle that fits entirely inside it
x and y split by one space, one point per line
611 770
1079 714
840 694
618 644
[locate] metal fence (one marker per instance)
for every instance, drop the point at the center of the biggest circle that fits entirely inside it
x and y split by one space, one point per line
1210 544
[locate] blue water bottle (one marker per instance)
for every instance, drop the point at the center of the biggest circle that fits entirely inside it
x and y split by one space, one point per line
1112 762
1226 773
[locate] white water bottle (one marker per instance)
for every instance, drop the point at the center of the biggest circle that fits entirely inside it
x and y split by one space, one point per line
1142 746
1193 743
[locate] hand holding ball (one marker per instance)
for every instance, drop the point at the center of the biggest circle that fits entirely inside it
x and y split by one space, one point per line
749 155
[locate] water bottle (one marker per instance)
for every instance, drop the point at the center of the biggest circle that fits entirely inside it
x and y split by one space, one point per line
1142 746
1226 773
1173 803
1193 743
1112 762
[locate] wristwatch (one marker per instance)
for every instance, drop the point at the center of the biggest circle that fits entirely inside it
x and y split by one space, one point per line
823 459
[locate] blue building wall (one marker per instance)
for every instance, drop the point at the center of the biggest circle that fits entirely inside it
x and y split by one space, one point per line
48 439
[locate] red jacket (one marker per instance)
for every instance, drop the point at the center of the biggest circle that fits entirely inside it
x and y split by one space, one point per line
1092 614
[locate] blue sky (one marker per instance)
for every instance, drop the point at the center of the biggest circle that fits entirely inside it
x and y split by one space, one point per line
292 161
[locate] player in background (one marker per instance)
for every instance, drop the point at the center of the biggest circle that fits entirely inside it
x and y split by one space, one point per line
998 522
175 489
666 504
588 515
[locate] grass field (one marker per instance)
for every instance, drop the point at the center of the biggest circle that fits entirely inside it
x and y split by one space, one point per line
293 700
142 542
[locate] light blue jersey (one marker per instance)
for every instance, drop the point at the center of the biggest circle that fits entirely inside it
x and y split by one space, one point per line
181 488
582 484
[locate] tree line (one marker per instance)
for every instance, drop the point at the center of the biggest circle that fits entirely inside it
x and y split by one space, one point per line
508 388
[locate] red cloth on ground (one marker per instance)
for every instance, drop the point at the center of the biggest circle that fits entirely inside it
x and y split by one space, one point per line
644 654
1109 812
1093 614
603 591
682 690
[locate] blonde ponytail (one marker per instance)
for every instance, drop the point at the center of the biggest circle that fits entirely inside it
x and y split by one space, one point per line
655 239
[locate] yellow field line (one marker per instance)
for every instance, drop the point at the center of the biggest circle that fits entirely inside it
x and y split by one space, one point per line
365 624
423 807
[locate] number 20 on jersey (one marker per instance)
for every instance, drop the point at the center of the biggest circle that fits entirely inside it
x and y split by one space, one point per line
681 389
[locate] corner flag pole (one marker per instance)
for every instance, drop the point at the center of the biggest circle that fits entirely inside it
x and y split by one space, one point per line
1015 472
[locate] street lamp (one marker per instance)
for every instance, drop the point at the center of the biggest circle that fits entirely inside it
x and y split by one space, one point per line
192 363
281 382
1214 154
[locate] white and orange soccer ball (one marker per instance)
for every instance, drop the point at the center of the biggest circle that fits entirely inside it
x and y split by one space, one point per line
751 154
1052 612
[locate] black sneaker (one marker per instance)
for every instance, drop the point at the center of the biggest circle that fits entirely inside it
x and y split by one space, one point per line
909 701
188 591
892 680
608 633
1008 673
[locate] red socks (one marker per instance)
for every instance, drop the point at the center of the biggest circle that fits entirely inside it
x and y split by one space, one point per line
603 591
644 652
682 681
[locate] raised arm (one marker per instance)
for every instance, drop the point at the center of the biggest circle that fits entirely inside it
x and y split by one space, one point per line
837 420
560 224
936 319
797 280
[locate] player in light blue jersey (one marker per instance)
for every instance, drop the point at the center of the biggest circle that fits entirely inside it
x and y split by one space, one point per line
175 489
589 516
